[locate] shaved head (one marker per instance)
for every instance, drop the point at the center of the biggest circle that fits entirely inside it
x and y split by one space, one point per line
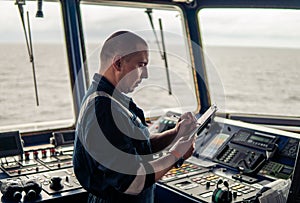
121 44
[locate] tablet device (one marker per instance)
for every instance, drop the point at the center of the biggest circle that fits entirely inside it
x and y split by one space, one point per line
204 119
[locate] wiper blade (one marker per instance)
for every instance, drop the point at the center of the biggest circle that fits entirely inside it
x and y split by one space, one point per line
164 53
29 45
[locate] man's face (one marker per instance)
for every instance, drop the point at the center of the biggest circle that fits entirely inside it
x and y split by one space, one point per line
134 69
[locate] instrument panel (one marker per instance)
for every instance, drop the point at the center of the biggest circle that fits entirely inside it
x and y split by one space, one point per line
245 156
231 158
49 168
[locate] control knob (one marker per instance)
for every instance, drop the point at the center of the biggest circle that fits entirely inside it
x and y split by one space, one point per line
36 154
56 183
44 153
27 156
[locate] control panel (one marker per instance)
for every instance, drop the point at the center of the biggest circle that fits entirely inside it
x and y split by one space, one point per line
200 182
46 169
165 122
201 186
233 159
35 161
58 181
247 150
187 169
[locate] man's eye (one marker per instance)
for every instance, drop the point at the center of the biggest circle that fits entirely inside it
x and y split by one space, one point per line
142 65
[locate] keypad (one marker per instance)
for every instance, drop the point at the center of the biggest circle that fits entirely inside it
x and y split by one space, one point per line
184 170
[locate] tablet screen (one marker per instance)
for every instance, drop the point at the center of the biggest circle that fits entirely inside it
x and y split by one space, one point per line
204 119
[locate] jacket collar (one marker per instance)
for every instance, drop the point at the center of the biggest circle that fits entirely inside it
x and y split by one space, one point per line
103 84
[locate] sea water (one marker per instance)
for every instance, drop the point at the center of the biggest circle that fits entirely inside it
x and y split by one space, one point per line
240 79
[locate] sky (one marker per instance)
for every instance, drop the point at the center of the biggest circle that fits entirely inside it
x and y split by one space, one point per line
234 27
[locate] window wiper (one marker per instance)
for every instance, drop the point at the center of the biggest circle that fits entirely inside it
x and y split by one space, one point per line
20 4
163 53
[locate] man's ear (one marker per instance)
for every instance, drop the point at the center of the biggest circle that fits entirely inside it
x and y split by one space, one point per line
117 62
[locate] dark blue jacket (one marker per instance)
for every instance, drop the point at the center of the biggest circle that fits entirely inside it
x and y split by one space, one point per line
110 146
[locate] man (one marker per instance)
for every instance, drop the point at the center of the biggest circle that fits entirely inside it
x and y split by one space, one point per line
113 154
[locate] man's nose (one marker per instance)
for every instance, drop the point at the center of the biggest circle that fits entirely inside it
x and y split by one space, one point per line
144 72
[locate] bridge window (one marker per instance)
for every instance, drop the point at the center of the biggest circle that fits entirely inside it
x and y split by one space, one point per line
252 59
18 105
158 93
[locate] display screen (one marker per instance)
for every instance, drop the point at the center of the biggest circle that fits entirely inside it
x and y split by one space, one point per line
69 136
244 134
260 139
286 170
211 149
8 143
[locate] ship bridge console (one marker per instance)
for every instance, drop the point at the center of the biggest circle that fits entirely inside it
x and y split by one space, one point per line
247 156
233 158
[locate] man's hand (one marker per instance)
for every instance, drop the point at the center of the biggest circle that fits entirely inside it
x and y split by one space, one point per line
185 125
183 148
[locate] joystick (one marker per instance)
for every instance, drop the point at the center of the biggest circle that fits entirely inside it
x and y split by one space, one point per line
11 190
32 189
56 183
